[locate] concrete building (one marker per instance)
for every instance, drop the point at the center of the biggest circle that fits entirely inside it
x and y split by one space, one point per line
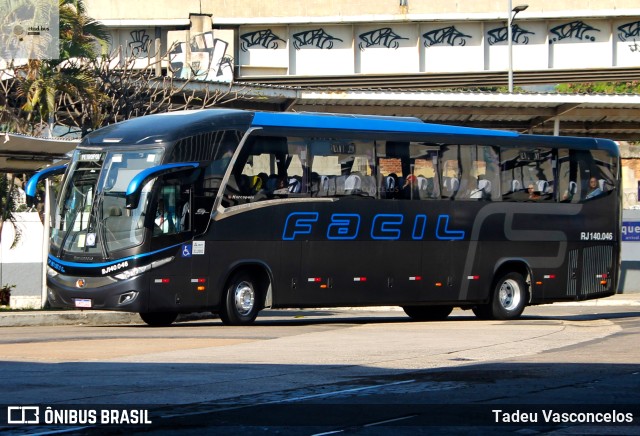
256 39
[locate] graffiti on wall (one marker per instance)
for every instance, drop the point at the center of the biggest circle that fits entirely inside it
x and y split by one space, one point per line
630 30
264 38
138 47
384 37
316 38
501 34
209 59
445 36
573 30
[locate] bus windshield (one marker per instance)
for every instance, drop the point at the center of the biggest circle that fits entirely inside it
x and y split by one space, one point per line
91 217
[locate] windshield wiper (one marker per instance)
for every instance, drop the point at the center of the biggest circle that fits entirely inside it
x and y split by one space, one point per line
61 249
97 218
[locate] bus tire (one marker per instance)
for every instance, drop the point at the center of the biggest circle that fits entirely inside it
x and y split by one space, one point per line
482 311
159 319
241 302
428 313
508 299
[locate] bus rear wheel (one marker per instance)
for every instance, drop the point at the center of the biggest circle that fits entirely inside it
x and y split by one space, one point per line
241 301
159 319
428 313
507 301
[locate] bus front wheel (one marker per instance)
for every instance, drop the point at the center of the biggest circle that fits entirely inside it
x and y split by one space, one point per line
428 313
241 301
159 319
507 301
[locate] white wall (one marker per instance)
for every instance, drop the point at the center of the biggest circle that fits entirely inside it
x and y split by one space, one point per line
443 46
22 265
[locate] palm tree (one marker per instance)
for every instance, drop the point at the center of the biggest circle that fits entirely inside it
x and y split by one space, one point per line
81 37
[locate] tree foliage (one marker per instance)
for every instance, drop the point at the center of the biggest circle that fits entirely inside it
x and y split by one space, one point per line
600 87
7 205
88 87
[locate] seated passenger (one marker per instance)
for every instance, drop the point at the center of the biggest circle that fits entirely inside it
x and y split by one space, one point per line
410 187
594 188
533 195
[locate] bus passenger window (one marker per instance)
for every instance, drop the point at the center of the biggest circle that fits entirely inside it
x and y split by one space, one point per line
525 167
338 167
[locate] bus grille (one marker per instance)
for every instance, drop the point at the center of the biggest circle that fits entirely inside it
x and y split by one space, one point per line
595 261
573 267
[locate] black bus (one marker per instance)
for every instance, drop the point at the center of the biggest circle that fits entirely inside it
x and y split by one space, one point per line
234 211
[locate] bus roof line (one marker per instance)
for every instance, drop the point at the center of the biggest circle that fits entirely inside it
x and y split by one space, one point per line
368 124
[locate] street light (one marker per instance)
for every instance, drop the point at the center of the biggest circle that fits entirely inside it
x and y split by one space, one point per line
512 15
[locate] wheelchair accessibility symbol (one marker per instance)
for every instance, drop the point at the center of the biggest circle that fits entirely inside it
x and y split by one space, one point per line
186 250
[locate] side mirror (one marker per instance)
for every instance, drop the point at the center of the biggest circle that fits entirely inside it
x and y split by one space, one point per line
132 195
30 189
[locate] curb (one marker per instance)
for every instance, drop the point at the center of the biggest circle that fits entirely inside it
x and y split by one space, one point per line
105 317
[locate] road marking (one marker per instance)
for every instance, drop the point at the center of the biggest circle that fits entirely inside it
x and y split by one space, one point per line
288 400
345 391
371 424
389 420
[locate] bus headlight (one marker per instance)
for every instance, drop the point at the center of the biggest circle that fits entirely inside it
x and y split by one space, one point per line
51 272
124 275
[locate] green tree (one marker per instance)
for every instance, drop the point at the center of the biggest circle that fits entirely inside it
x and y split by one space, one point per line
7 205
600 87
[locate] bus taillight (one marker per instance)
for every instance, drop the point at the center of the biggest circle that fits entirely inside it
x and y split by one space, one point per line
603 278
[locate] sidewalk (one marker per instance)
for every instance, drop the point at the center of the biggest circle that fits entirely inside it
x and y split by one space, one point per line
82 317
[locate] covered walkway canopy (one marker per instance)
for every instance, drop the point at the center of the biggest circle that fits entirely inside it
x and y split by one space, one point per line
20 153
615 117
610 116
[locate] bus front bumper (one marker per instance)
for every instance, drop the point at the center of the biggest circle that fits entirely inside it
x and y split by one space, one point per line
99 293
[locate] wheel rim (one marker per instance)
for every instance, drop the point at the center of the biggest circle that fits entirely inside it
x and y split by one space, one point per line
244 298
509 294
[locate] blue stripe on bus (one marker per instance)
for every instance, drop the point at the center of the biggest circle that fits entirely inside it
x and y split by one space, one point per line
328 122
101 265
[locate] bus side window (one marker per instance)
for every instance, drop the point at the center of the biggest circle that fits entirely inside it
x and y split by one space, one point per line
262 171
601 169
528 174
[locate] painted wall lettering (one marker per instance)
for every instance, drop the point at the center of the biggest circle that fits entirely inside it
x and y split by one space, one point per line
445 36
316 37
209 59
139 45
629 30
573 30
500 34
384 37
264 38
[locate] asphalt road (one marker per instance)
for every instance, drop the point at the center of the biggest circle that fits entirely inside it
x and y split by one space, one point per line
336 372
